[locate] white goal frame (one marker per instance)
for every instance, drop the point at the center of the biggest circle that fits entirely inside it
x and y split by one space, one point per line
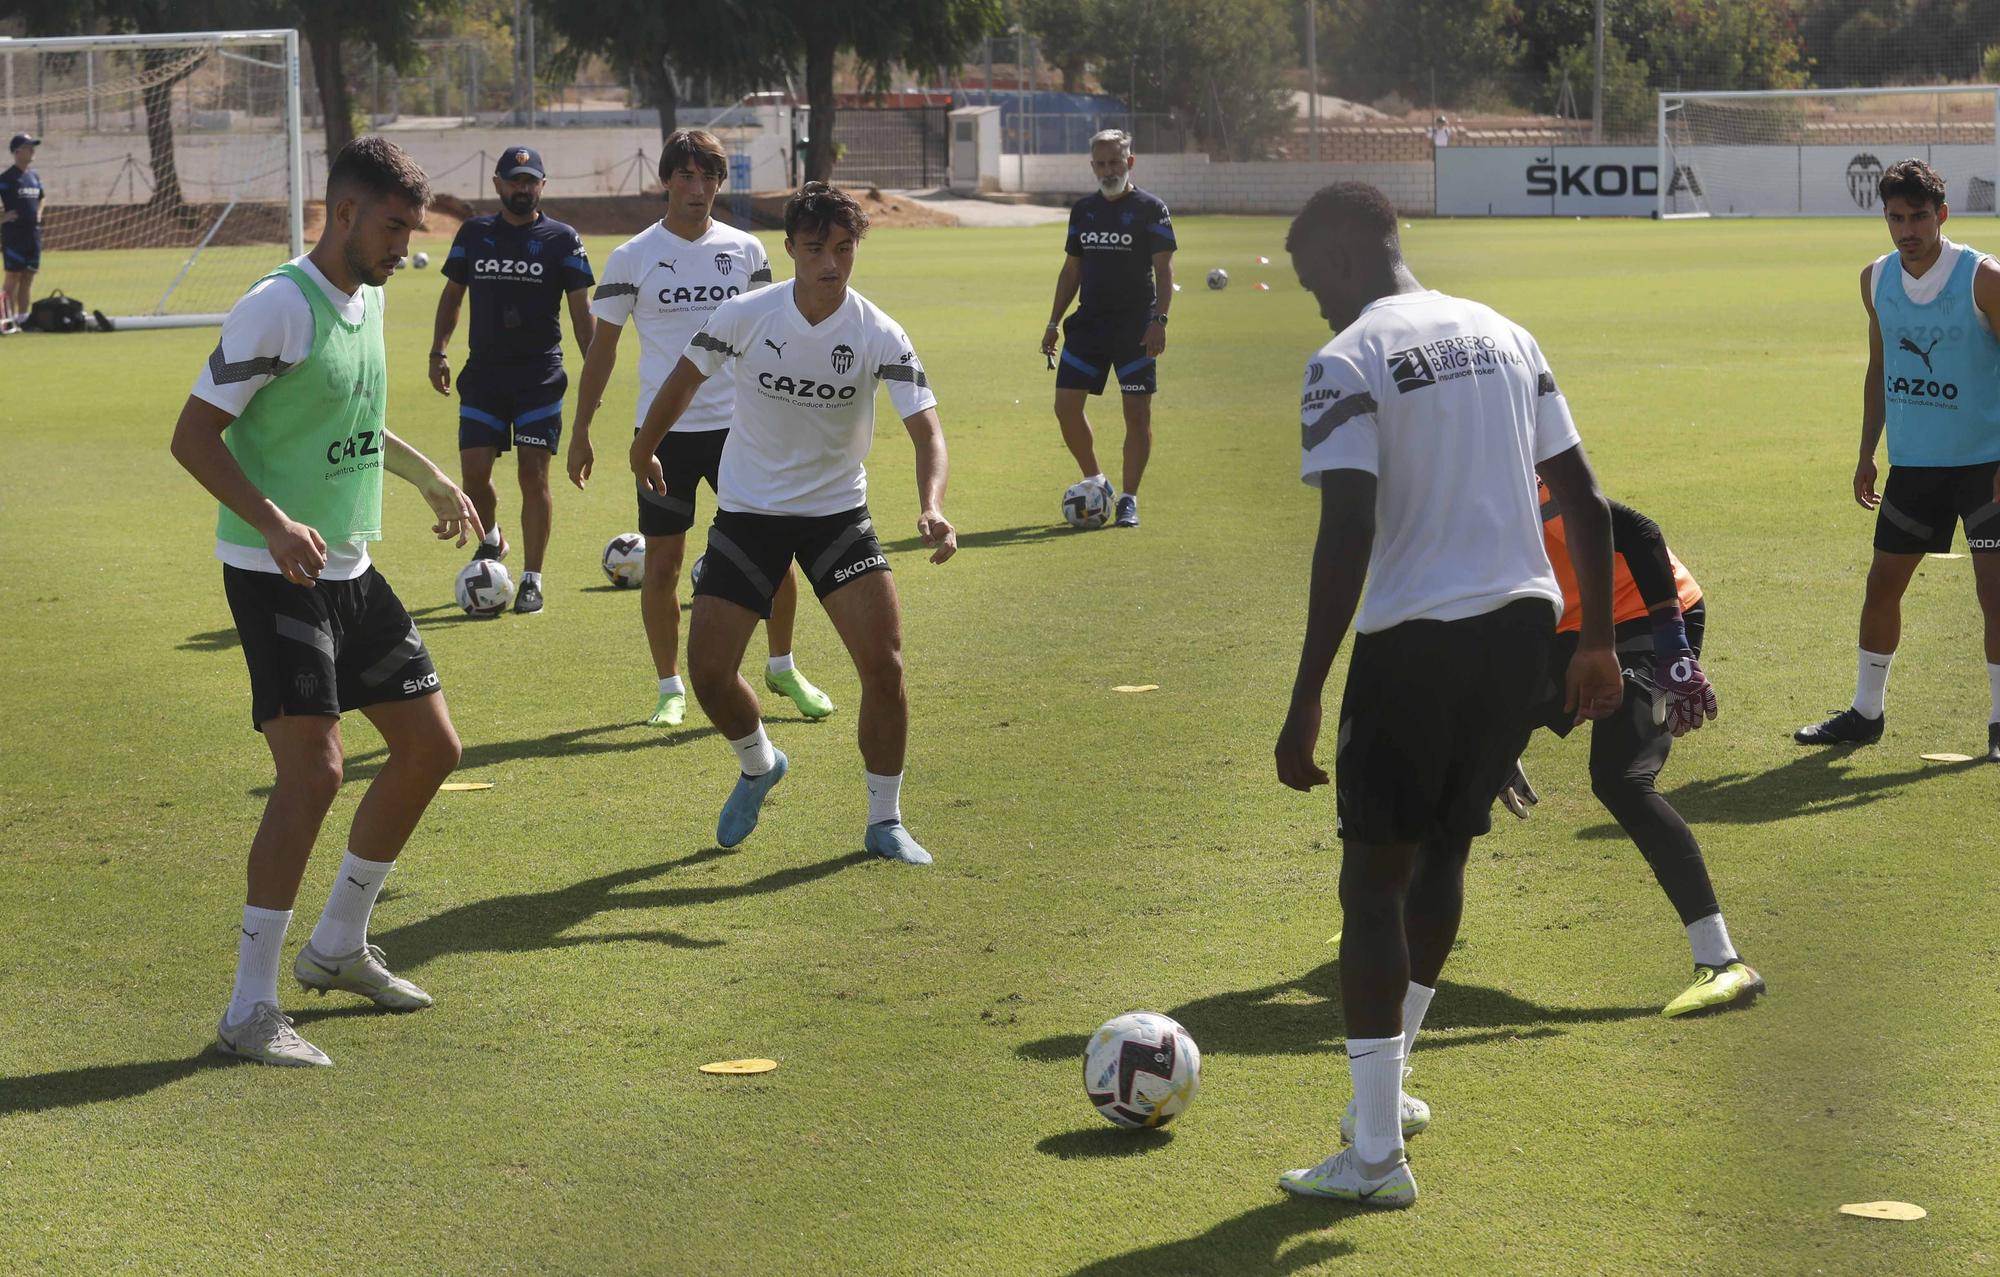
294 135
1674 168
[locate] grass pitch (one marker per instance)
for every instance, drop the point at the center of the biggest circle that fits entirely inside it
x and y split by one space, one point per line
1097 852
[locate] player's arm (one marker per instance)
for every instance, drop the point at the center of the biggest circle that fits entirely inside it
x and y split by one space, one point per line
1163 297
665 410
455 515
933 465
581 322
1594 687
600 358
1986 296
1339 569
450 299
1067 281
1689 698
1873 410
298 550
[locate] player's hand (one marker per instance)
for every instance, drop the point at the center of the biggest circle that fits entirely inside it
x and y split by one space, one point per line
1594 686
936 530
646 467
298 550
581 457
455 514
1864 484
1050 337
1156 339
440 371
1517 795
1690 697
1296 741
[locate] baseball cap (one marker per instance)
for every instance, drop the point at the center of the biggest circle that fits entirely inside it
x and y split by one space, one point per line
516 160
28 139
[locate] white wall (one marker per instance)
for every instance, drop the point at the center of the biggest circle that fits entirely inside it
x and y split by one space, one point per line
1194 184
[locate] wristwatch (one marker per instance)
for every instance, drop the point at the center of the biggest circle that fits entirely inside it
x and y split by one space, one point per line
1161 320
439 354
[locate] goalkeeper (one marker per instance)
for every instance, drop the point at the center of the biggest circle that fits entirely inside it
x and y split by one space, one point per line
1659 615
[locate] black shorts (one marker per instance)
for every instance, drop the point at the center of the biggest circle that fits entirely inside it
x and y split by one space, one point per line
1097 344
1433 719
748 554
499 406
22 252
327 648
1921 505
686 458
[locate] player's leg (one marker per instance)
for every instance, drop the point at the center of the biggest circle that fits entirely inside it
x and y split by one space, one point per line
475 477
781 670
664 520
1076 433
538 507
1082 370
746 556
1982 537
485 409
1138 449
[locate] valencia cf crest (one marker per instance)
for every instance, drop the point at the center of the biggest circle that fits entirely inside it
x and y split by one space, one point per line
722 261
843 359
520 157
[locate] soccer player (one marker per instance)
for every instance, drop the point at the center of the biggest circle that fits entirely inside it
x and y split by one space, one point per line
667 280
286 429
1934 386
519 265
1120 255
1659 616
21 200
806 357
1424 423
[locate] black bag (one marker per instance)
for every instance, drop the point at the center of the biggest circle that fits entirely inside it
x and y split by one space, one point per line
57 313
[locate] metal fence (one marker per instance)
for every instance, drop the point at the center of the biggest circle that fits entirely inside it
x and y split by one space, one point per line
901 148
1069 133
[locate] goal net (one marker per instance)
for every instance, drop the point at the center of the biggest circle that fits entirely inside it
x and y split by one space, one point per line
171 166
1819 153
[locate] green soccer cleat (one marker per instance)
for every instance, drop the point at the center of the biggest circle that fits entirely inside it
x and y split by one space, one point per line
812 702
268 1037
1342 1178
1717 987
673 707
362 972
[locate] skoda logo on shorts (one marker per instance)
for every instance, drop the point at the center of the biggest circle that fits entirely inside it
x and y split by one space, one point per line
1864 172
722 261
843 359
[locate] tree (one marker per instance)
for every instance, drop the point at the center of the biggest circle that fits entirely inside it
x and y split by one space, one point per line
1730 44
659 42
1445 50
1216 64
1628 93
1067 33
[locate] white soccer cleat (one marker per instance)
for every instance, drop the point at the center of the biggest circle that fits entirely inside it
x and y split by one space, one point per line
1342 1178
362 972
268 1037
1415 1113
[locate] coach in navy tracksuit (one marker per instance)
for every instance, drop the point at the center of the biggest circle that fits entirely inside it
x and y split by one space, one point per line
21 223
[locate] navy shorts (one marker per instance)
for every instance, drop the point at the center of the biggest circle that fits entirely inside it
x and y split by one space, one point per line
24 253
502 407
1097 345
748 554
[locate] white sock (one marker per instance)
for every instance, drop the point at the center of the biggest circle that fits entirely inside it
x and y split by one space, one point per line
1709 939
257 952
754 752
780 664
671 686
492 536
885 797
531 578
1416 1001
1993 680
343 924
1128 496
1871 684
1096 478
1377 1066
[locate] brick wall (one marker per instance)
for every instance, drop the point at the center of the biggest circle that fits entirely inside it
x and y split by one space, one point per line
1192 184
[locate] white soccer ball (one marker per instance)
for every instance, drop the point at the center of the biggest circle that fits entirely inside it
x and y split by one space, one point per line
1218 279
625 559
1141 1069
1086 505
484 587
421 260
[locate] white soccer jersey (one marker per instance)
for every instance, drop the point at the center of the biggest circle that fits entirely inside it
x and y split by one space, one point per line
667 287
266 333
805 398
1450 406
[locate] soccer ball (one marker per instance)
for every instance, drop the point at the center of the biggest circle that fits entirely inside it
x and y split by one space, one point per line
1086 505
421 260
1218 279
1141 1069
484 587
625 559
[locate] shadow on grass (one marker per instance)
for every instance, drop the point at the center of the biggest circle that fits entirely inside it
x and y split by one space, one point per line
1818 781
1251 1244
1105 1141
537 920
211 641
96 1083
989 538
1302 1017
579 742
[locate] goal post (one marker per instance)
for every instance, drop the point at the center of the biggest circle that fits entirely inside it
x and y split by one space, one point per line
1820 152
173 166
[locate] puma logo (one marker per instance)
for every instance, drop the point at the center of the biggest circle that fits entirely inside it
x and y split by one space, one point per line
357 882
668 266
252 934
1923 353
777 346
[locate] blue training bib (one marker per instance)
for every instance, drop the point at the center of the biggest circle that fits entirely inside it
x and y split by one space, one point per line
1940 371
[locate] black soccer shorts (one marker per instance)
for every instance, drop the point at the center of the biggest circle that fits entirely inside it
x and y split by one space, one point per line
1922 506
686 458
325 648
748 554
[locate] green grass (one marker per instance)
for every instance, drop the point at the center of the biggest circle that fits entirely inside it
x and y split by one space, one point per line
1096 852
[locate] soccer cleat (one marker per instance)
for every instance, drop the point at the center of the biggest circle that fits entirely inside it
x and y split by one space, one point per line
1993 742
673 707
1849 727
889 840
484 550
268 1037
1717 987
528 598
1128 512
1415 1113
739 813
812 702
362 972
1341 1177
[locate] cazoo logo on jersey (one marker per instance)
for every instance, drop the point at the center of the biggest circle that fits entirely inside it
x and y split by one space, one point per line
697 293
1104 239
502 266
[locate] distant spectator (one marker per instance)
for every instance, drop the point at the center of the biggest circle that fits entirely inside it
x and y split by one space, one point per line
1440 134
21 201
